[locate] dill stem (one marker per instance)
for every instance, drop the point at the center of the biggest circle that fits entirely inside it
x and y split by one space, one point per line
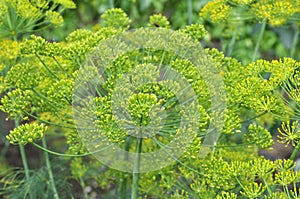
122 189
261 33
295 151
295 41
136 168
52 183
25 165
232 42
82 184
190 11
45 65
267 186
111 3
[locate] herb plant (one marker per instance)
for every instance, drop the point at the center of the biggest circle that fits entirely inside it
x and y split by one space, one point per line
149 90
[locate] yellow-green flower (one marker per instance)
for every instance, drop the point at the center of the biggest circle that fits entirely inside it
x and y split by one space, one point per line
9 50
116 18
158 20
26 133
260 136
216 10
196 31
26 10
253 190
289 133
54 18
277 12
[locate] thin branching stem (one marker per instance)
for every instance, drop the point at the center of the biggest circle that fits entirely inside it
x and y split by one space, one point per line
257 116
295 41
45 65
261 34
70 155
232 42
82 184
267 186
190 11
48 165
122 189
295 152
136 169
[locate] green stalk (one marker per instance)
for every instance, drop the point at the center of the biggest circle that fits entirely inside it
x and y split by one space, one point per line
232 42
122 188
45 65
295 151
52 184
286 190
233 39
262 30
111 3
136 168
69 155
190 11
295 41
25 165
267 186
82 184
123 181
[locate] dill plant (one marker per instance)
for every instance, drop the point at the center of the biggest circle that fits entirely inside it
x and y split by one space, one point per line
39 90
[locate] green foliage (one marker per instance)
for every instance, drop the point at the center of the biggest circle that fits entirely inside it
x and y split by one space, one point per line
16 186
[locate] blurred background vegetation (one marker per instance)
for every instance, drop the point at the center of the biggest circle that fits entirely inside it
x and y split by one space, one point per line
180 13
277 41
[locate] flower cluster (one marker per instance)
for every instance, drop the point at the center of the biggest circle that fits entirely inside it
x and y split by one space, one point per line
289 133
276 12
216 10
115 18
140 106
158 20
16 102
253 190
54 17
39 46
9 50
196 31
216 176
260 136
26 133
23 76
